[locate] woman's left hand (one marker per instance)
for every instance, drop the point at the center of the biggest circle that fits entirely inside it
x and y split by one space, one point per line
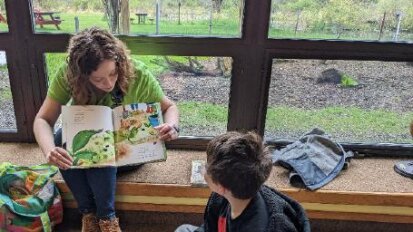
167 132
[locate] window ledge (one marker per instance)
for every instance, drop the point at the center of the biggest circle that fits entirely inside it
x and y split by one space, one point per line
369 190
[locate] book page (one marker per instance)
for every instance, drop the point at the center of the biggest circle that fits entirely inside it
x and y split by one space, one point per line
136 138
87 134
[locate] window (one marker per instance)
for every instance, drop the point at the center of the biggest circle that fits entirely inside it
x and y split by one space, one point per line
7 115
144 17
353 101
382 20
3 18
199 85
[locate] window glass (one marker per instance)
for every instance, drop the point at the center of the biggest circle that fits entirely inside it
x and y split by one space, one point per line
199 85
373 20
7 114
3 17
141 17
353 101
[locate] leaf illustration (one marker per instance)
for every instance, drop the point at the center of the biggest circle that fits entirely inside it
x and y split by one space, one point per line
82 138
85 155
133 134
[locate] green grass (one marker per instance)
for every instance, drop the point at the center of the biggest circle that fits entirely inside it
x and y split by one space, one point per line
334 120
202 114
339 119
219 27
3 67
5 94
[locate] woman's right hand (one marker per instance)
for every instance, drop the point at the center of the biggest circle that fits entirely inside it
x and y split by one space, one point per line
60 158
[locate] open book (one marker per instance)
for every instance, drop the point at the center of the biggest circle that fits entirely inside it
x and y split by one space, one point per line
98 136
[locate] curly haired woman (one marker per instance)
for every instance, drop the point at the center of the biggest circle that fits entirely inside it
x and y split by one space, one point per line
98 71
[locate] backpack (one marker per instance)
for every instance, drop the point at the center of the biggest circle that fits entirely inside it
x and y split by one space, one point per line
29 198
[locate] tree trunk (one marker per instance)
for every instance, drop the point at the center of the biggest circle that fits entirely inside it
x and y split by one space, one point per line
125 17
112 14
241 15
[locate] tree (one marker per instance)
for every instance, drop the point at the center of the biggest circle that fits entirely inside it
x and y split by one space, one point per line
112 9
217 5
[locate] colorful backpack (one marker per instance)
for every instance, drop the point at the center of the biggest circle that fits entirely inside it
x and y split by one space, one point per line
29 198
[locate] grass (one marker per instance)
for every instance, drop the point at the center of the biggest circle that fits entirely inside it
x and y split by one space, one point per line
334 120
220 27
5 94
203 114
338 119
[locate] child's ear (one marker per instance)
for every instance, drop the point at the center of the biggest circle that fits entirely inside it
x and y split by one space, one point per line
221 190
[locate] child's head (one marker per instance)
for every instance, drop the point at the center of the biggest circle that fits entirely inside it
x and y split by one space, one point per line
238 162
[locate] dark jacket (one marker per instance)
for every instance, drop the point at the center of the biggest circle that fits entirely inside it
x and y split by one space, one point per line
285 214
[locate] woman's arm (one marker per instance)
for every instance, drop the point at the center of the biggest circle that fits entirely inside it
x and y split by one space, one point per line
42 128
168 130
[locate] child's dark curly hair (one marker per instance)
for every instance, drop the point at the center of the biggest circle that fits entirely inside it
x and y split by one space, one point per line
239 162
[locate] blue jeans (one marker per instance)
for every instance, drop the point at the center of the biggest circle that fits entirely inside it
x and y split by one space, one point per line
93 189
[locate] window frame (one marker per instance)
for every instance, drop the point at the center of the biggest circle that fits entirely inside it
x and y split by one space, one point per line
252 56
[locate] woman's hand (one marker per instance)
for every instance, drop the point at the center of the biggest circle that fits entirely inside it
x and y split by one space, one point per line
167 132
60 158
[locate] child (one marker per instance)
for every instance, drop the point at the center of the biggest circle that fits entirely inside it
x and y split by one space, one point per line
237 166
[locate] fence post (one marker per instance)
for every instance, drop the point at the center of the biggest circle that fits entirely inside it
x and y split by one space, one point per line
76 24
399 19
179 13
157 18
382 25
210 16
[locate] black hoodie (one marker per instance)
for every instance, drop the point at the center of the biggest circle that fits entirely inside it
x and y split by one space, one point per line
283 214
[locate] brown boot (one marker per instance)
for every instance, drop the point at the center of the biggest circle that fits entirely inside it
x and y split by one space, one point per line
111 225
90 223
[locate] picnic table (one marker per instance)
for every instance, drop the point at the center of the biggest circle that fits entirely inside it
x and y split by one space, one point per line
141 17
47 17
2 19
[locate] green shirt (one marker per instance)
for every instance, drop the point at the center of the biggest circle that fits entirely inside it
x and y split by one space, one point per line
143 88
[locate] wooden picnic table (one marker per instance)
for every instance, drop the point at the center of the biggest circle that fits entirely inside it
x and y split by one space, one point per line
2 19
141 17
47 17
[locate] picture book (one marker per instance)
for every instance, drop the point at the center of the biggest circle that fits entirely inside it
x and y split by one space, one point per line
98 136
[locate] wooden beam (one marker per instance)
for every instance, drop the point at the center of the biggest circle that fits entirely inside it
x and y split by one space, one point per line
321 204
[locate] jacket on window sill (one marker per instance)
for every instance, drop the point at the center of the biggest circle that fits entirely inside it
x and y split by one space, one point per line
314 160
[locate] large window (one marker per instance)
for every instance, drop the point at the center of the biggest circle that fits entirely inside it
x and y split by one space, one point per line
375 20
215 59
353 101
143 17
3 17
7 116
199 85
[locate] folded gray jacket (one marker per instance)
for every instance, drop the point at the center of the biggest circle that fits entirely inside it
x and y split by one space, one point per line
314 160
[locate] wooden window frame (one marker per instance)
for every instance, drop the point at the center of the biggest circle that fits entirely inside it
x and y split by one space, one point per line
252 61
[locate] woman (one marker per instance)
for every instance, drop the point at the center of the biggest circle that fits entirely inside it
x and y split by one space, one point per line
98 71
